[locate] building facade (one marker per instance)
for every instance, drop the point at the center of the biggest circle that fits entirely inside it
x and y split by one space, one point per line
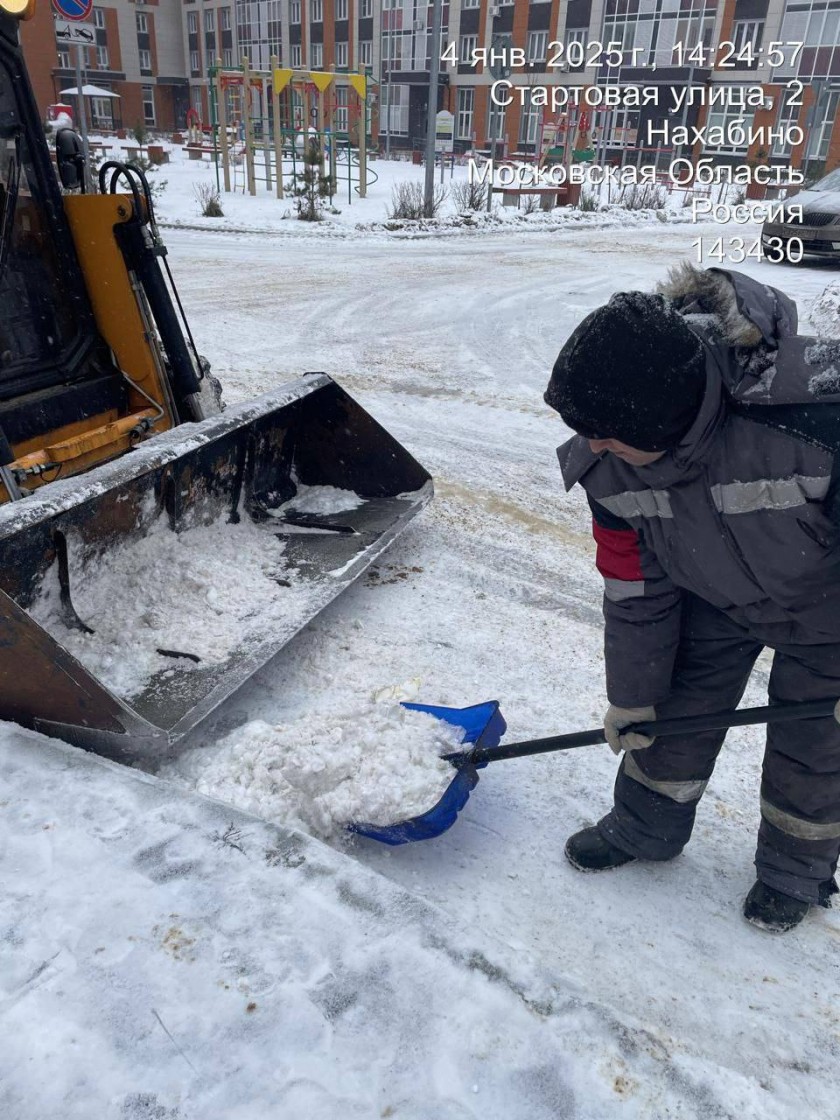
157 55
138 55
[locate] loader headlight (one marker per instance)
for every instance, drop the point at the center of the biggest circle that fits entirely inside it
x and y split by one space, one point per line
23 9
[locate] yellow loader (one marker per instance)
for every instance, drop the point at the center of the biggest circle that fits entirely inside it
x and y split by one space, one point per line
155 548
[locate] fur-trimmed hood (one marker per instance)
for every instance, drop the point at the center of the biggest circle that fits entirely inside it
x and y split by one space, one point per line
741 311
753 357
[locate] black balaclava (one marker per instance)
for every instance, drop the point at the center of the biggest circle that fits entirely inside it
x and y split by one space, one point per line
631 371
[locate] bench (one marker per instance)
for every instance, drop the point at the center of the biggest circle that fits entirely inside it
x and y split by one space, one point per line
198 151
549 196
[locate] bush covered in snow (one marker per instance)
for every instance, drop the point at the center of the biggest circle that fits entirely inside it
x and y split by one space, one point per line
408 201
642 196
468 195
209 200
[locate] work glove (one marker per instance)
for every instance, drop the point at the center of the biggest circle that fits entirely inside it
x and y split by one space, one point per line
617 718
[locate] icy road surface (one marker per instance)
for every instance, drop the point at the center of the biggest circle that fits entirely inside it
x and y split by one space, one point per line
486 980
492 593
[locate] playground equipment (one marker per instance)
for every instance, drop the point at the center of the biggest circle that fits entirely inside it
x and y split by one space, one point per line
273 114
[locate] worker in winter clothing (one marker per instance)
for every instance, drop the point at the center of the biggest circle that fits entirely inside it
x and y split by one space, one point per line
708 433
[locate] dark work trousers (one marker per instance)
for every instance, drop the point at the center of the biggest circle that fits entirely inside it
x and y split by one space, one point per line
658 789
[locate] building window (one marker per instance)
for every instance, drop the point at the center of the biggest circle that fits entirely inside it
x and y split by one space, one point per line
466 49
63 60
622 34
366 9
102 60
316 11
294 11
620 128
786 116
341 55
496 122
227 57
225 16
464 120
195 62
145 61
341 9
746 39
470 3
686 33
820 137
725 118
192 23
747 32
142 23
102 113
529 120
209 21
576 37
817 25
393 48
316 55
149 105
537 44
395 109
341 116
99 18
366 52
297 61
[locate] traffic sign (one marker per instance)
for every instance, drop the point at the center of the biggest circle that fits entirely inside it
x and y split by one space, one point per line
67 33
76 11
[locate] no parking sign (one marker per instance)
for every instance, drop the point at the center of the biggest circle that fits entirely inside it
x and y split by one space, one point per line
72 22
74 10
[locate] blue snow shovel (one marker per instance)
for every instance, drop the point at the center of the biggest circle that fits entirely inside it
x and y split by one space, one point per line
483 727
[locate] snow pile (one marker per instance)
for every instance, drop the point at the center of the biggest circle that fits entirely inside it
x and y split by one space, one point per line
198 593
375 764
825 383
825 312
825 352
320 500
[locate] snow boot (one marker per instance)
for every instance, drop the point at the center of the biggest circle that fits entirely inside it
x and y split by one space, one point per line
773 911
587 850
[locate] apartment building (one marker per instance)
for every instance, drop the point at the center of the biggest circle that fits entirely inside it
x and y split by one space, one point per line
138 55
158 54
560 43
301 34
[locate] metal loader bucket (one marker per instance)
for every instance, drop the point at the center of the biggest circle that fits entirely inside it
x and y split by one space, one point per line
135 598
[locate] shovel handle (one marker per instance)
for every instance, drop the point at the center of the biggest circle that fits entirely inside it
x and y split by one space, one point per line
681 725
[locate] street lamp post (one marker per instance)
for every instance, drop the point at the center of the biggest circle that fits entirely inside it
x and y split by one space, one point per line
385 71
434 71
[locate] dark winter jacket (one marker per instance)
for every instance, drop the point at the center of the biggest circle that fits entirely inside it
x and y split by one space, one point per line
741 513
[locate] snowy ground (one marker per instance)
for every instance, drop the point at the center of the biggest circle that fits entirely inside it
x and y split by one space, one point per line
640 994
449 345
178 183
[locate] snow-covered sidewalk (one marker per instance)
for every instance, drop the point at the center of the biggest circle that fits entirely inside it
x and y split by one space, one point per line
476 975
165 957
